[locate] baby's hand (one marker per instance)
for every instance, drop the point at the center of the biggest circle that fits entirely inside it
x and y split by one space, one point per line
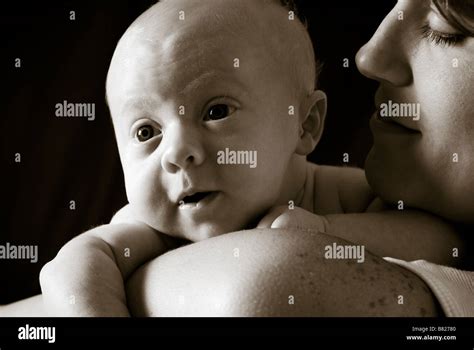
84 279
87 276
284 217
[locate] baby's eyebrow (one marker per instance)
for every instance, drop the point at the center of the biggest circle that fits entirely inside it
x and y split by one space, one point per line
208 78
138 103
227 84
224 80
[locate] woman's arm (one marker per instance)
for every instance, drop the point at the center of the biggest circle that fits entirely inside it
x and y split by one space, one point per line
274 272
30 307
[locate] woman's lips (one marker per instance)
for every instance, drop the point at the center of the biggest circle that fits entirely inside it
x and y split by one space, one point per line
390 124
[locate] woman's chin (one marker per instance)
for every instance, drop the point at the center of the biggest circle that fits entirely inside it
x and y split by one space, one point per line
387 181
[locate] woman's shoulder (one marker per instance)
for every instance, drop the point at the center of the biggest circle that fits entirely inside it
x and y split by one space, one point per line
273 272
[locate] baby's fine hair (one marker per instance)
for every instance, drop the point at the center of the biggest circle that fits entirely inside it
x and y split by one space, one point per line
291 5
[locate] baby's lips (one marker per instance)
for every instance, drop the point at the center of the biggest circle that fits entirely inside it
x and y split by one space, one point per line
192 192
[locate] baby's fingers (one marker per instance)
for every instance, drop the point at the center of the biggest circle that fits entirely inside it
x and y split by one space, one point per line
271 216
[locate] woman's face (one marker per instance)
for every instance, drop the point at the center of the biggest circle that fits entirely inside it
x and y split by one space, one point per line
422 61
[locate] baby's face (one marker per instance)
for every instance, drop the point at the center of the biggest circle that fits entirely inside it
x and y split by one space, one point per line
185 100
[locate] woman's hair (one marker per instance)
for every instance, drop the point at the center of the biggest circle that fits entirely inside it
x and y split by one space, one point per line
459 13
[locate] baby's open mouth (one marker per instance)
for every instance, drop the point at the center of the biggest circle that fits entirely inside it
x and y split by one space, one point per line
195 197
197 200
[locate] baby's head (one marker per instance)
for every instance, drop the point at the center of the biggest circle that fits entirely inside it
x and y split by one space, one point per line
215 109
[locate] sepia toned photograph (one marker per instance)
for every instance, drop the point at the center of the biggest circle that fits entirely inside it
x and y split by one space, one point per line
239 159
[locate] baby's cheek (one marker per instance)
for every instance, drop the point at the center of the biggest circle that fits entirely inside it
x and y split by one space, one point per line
132 186
142 195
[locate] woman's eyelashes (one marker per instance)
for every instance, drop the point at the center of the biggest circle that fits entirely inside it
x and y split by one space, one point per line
441 38
218 111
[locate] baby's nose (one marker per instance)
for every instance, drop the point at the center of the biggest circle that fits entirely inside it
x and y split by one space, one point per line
183 148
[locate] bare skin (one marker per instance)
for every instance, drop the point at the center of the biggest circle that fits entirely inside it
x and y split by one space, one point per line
284 263
212 278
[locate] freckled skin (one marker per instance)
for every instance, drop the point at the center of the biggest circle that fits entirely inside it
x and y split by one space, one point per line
246 291
426 289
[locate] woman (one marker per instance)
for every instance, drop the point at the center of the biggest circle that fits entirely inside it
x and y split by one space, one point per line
432 65
423 53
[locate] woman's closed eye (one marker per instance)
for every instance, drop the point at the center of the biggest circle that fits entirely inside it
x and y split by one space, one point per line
219 111
441 38
441 31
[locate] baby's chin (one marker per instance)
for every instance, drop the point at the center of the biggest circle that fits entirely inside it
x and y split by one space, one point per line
196 232
199 232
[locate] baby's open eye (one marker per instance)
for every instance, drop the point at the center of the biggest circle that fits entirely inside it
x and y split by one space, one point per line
144 133
219 111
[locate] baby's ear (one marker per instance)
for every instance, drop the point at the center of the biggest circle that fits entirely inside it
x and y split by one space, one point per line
313 113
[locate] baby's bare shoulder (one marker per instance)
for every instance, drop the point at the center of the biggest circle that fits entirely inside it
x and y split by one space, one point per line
343 189
336 173
124 215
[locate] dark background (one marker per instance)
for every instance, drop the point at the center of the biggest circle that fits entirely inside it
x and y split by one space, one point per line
64 159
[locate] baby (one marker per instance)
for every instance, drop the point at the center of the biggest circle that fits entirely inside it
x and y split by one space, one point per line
215 108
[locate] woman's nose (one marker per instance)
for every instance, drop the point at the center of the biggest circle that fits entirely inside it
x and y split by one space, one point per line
183 148
385 56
